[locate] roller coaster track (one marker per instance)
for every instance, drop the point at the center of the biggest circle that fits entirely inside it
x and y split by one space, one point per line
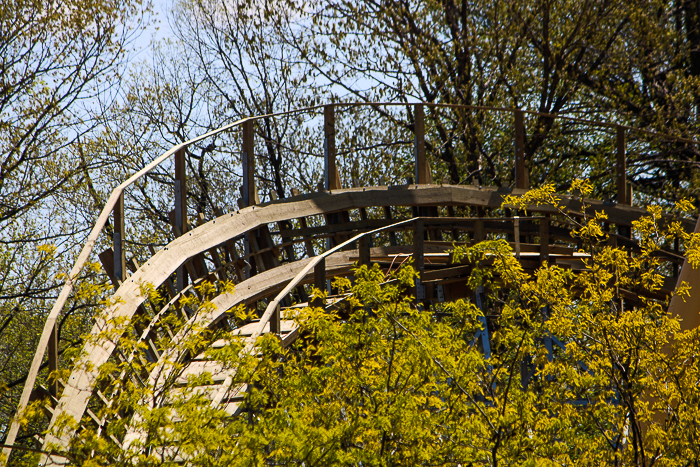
257 247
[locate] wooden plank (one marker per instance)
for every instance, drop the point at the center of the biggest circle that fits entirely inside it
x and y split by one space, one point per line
521 176
621 166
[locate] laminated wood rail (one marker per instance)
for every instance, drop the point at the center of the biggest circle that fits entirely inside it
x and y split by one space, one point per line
274 251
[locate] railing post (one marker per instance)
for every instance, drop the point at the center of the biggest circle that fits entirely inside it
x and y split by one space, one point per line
181 208
418 257
331 178
419 146
275 325
118 240
52 350
621 167
248 162
521 176
180 191
544 238
364 251
319 281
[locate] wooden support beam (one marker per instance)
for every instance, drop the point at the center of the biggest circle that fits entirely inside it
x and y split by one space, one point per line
521 175
331 175
107 260
479 234
253 250
421 169
544 238
248 163
319 281
118 240
623 193
180 209
364 247
621 167
275 326
516 235
418 256
392 234
52 350
181 192
307 239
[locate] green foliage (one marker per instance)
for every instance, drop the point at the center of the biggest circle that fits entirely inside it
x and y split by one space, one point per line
380 380
56 60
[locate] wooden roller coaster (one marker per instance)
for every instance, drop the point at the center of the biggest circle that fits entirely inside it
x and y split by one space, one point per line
258 248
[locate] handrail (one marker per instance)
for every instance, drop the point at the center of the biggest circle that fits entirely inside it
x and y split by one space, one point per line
113 199
528 112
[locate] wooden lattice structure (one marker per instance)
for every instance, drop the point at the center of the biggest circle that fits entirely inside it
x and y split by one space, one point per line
257 248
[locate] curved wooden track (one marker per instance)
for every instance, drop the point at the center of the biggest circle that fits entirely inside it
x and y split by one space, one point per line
272 251
206 239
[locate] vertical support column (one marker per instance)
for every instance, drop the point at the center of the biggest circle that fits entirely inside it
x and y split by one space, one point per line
319 281
479 233
365 257
623 194
418 257
392 234
516 235
248 163
485 340
332 179
249 190
521 176
52 350
118 240
621 167
275 325
419 146
544 238
676 249
181 208
181 191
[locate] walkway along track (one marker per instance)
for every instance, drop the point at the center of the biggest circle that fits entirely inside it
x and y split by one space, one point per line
420 220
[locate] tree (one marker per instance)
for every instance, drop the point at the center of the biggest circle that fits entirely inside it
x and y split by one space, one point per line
585 368
625 63
57 60
621 62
